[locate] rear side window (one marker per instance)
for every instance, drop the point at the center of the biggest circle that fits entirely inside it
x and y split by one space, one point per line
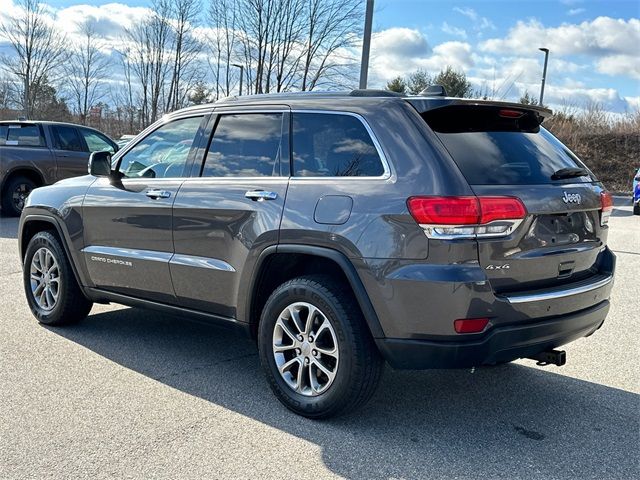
494 146
333 145
67 138
3 134
25 136
245 145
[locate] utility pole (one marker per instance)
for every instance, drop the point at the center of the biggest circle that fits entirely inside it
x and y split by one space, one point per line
241 67
544 73
366 44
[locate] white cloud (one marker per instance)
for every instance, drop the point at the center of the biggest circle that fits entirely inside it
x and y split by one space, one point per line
455 31
481 23
575 11
612 43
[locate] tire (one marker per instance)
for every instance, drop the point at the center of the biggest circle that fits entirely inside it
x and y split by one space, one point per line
64 304
357 367
636 208
16 191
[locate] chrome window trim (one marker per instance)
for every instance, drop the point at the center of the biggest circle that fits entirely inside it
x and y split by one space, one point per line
555 294
386 174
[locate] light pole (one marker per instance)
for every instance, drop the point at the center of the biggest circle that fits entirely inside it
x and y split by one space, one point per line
544 72
241 67
366 44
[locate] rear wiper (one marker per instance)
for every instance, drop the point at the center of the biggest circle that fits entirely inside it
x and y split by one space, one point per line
569 173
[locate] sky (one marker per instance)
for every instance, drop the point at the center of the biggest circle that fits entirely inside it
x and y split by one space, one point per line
593 45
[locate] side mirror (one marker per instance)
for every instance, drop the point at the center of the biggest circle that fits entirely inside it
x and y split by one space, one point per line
100 164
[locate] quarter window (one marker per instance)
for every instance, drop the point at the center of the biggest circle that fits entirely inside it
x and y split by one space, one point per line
67 138
25 136
164 152
333 145
245 145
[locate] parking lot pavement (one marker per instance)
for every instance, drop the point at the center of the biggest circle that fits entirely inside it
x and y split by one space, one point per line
136 394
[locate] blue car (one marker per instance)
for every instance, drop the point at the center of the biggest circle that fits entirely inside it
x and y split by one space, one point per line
636 193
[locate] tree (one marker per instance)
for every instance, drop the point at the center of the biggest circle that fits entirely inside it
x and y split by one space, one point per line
527 99
38 50
418 81
200 94
185 49
46 103
455 83
397 85
86 70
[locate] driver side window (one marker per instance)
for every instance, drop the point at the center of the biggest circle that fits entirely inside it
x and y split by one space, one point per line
163 153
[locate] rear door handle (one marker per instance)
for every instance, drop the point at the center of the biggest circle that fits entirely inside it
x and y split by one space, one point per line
155 194
260 195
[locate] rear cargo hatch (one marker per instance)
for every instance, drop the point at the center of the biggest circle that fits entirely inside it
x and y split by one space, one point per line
504 152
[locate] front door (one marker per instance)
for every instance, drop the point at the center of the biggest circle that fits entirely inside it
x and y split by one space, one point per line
230 209
128 223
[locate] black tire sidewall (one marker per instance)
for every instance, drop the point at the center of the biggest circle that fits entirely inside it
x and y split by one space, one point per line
45 239
8 208
334 397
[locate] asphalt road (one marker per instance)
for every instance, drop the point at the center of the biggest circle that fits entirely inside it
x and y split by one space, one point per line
134 394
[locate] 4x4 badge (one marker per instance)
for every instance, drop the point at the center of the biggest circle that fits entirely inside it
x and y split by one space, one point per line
497 267
571 198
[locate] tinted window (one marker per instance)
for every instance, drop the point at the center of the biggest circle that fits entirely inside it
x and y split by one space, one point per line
67 138
245 145
492 148
329 145
96 142
3 134
164 152
25 135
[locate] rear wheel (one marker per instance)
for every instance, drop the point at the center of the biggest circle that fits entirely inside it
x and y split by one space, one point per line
15 194
636 208
315 348
49 283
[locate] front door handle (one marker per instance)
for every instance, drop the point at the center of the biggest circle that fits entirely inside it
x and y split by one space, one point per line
155 194
260 195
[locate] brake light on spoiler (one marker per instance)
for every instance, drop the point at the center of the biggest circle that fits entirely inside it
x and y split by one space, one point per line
467 216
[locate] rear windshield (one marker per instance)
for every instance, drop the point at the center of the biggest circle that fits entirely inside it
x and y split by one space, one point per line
498 146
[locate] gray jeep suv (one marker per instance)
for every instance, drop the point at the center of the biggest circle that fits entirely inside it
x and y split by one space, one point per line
339 231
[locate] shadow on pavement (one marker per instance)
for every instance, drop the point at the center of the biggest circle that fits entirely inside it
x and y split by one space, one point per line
502 422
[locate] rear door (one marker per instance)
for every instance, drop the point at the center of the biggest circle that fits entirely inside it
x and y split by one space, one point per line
70 151
504 152
231 207
128 222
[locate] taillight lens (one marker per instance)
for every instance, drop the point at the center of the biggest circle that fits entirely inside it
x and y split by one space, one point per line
470 325
606 201
468 216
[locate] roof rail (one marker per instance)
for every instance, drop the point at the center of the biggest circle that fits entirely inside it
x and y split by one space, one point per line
374 93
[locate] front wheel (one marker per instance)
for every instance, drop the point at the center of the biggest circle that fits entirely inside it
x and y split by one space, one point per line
636 208
49 283
315 348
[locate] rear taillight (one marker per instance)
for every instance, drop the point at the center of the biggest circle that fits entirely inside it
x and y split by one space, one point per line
606 201
467 217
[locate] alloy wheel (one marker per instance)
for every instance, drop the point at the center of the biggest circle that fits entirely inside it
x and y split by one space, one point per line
45 279
305 348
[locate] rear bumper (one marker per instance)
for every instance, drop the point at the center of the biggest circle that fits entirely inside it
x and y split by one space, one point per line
500 344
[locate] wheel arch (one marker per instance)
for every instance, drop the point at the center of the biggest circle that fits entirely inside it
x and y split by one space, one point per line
29 172
30 225
293 260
